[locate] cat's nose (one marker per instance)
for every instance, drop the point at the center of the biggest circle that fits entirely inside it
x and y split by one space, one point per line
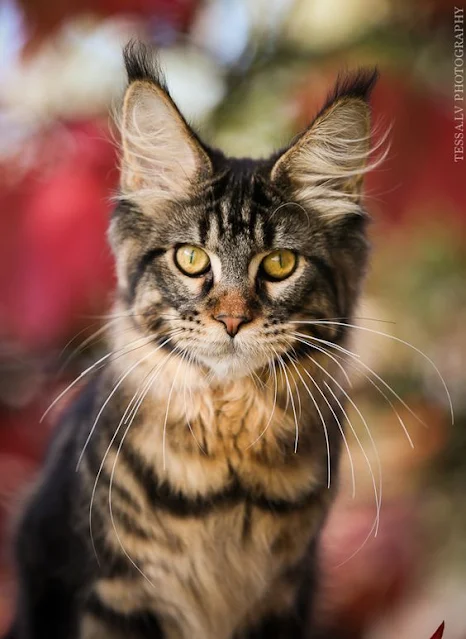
232 323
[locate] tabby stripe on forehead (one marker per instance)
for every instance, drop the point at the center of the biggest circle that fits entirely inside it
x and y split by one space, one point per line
262 203
143 622
140 270
219 189
235 209
252 221
209 204
161 495
204 226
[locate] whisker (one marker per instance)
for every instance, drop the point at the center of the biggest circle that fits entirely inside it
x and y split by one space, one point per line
75 337
269 421
147 339
188 422
112 479
164 431
115 434
344 319
387 386
324 341
395 394
378 494
324 427
376 522
340 427
401 341
283 365
111 394
296 385
111 316
84 344
136 407
384 395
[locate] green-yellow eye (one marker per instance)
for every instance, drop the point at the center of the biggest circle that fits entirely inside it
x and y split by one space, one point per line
192 260
279 264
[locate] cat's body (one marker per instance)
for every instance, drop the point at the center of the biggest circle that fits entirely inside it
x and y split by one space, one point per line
186 488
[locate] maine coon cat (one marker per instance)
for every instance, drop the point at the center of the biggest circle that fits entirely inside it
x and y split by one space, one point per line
186 487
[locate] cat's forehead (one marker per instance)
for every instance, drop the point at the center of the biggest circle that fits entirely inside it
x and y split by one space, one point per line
236 207
241 210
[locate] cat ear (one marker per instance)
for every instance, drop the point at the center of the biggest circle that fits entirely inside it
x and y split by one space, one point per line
326 165
162 158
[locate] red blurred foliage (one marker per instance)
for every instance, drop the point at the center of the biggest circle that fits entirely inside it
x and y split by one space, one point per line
419 175
55 264
364 575
43 17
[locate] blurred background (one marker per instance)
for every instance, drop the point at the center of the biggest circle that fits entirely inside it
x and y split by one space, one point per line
251 74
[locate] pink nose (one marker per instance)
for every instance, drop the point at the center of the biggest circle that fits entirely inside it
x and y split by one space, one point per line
232 323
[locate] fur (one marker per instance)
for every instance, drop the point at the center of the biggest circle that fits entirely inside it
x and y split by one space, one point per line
185 490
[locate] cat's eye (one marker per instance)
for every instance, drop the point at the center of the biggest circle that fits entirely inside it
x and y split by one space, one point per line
192 260
279 264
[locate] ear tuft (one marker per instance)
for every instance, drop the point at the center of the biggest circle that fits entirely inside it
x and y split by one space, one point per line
326 165
162 157
141 64
357 84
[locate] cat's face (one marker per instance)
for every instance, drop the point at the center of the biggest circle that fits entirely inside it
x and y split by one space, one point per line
223 256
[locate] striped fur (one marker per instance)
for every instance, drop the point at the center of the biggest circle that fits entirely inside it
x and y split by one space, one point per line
185 490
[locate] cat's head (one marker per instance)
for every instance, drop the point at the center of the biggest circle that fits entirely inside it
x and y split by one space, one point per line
223 254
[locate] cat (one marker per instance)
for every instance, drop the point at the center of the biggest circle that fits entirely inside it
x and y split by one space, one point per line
185 489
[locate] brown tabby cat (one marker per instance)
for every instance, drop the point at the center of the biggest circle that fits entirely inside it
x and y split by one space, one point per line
185 489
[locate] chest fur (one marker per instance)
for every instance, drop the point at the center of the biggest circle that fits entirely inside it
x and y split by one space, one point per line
206 571
205 577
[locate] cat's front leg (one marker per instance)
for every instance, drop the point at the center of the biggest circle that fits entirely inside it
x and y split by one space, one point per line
294 620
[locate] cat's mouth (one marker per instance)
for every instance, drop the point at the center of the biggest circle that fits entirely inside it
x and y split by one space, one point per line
233 357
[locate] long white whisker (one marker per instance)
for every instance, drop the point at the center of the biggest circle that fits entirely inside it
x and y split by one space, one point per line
188 422
395 394
324 427
84 343
164 431
356 365
376 522
282 364
337 420
81 375
401 341
75 337
378 494
128 556
99 472
269 421
324 341
111 394
382 381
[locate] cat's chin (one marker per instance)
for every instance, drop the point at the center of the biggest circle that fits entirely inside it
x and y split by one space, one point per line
228 367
